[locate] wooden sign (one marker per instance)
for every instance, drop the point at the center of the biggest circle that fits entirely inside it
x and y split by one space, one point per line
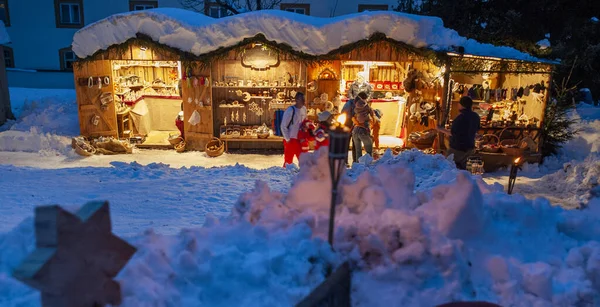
76 257
260 58
334 291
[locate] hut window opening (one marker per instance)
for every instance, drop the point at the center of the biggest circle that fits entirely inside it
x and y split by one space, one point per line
69 13
372 7
298 8
67 58
142 5
9 60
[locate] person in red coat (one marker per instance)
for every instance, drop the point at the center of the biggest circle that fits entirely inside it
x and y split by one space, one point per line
179 121
322 131
306 134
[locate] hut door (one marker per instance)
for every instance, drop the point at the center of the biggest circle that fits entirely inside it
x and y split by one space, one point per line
95 99
197 107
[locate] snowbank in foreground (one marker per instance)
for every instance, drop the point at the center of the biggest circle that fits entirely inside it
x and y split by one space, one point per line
455 238
460 240
46 121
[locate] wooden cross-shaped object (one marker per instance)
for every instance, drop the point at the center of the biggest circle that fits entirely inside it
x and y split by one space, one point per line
76 257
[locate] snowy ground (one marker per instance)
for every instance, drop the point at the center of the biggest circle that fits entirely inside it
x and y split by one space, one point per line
419 232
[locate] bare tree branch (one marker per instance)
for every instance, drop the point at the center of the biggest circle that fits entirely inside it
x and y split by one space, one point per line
228 6
233 7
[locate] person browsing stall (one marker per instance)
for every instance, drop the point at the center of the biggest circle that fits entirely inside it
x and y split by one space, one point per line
361 133
290 126
462 133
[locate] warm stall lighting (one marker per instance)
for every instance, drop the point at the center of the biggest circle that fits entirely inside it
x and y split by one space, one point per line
143 48
341 119
512 178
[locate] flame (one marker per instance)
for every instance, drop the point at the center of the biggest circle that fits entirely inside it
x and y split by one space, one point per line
517 160
341 118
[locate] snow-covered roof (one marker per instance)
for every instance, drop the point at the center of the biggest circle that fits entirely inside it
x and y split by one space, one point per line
4 38
200 34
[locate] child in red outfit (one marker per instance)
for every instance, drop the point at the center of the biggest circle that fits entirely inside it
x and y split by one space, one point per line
306 134
321 134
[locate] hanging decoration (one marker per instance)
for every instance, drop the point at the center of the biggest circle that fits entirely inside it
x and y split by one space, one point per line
195 119
95 120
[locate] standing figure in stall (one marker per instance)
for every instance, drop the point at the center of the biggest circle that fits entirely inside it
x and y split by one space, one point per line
361 133
179 122
322 132
462 133
290 126
360 85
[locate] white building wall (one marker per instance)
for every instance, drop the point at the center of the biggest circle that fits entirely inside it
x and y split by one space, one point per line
36 40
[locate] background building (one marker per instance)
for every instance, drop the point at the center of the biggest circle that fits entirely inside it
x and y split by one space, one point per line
40 54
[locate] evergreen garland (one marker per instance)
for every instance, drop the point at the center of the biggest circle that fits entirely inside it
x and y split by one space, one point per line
205 60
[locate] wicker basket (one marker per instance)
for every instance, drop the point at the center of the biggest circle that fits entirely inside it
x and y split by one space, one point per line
79 150
84 152
263 135
214 152
175 138
180 147
422 145
511 147
491 149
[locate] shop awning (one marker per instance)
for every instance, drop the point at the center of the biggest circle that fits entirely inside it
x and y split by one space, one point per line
199 34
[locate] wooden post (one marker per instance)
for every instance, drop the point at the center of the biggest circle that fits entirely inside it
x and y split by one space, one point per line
76 257
333 292
5 108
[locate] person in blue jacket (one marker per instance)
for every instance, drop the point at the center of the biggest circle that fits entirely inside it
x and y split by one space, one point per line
462 134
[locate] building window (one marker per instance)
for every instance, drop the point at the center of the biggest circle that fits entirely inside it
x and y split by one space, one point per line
217 11
4 12
296 8
9 58
372 7
142 5
67 58
69 13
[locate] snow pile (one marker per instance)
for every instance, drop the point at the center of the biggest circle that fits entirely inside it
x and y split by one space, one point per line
220 264
572 175
578 181
452 238
199 34
456 241
46 121
430 170
231 264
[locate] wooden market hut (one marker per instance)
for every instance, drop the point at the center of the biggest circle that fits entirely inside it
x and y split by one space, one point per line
231 88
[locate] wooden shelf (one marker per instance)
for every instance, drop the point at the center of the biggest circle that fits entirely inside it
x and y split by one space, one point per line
142 85
283 87
256 139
